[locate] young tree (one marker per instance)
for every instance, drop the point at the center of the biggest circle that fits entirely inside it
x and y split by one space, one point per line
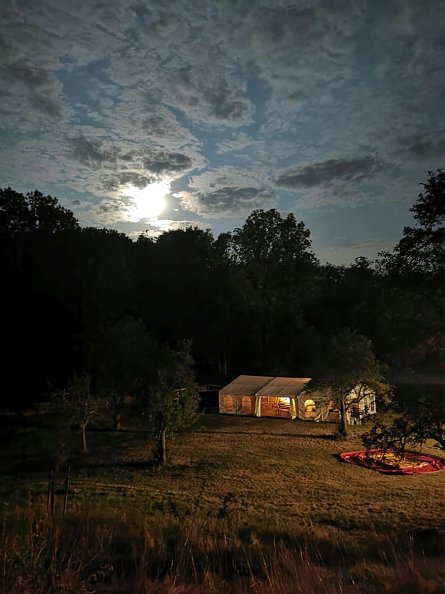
419 422
121 356
350 369
172 400
78 404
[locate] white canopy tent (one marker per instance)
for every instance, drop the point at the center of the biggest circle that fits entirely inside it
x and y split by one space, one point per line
262 396
286 397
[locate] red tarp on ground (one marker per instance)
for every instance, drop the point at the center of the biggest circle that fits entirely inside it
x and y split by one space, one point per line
422 462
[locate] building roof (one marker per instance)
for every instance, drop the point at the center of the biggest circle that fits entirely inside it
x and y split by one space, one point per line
259 385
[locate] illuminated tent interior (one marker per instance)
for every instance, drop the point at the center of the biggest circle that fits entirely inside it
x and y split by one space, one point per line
265 396
317 406
262 396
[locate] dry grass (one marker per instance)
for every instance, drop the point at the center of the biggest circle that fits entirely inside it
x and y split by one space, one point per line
248 505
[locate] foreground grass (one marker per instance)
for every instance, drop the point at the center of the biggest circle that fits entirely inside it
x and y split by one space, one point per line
247 505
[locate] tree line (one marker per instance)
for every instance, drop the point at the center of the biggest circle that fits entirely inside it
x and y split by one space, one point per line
131 314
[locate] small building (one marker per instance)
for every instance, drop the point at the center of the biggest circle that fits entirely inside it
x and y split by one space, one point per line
286 397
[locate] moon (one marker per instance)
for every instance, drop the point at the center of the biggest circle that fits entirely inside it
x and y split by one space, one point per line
147 202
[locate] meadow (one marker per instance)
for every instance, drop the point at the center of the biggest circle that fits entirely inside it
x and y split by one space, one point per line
245 505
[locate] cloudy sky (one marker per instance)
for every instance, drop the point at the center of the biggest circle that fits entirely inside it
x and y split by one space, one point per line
330 109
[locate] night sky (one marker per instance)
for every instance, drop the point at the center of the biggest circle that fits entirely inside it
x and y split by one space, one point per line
330 109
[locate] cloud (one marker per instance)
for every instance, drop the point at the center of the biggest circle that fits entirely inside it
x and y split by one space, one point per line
114 182
236 142
325 172
30 93
429 146
91 151
226 191
334 101
226 201
164 162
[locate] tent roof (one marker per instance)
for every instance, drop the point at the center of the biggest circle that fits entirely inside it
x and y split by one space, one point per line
260 385
246 385
284 386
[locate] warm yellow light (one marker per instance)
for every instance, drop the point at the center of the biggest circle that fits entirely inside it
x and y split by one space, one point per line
148 202
285 400
309 405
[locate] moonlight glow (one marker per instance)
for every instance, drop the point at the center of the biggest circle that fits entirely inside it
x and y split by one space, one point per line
147 202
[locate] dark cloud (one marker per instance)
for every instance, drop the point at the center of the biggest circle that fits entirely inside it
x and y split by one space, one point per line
24 83
348 170
425 146
222 105
227 200
30 75
139 180
208 95
91 151
46 105
165 162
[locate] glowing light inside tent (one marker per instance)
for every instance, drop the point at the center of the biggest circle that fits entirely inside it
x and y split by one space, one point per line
285 400
309 405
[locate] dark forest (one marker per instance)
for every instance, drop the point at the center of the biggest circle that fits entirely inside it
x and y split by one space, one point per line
256 300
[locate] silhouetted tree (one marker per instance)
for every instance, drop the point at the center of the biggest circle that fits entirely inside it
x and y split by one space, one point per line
78 404
171 398
413 283
349 370
274 255
123 356
419 422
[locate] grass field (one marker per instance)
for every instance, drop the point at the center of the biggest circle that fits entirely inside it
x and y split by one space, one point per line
246 505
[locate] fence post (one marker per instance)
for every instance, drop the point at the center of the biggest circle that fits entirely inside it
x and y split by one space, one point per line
50 495
67 486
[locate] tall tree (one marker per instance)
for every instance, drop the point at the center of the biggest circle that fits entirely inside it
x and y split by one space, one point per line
31 212
34 319
413 282
422 248
275 257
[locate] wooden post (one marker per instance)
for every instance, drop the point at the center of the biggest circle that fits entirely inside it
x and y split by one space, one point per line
343 418
67 486
52 499
163 446
48 499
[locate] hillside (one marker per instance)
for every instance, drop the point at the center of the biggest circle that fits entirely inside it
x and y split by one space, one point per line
262 486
